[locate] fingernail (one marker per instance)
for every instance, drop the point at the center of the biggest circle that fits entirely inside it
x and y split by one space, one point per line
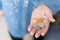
42 34
29 30
53 20
36 36
31 33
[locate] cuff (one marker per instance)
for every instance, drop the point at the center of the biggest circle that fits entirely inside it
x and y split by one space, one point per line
50 5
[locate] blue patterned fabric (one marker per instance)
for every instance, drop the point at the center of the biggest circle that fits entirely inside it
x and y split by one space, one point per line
0 5
18 13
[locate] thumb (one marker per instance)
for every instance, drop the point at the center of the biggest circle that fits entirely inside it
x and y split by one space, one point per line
51 19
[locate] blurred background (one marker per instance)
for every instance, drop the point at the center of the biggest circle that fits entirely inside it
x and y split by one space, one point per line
4 35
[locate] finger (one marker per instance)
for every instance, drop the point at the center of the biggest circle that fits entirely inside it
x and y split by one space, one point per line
32 32
33 20
50 17
30 27
38 33
45 29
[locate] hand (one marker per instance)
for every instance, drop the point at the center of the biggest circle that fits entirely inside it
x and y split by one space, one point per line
42 11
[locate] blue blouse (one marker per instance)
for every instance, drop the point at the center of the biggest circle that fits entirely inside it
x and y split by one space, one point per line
18 13
0 5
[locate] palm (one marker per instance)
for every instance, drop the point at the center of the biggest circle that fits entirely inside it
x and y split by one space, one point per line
40 13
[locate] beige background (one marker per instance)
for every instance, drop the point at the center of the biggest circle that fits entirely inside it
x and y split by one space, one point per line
3 29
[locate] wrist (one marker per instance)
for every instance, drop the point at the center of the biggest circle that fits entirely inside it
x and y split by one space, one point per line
45 8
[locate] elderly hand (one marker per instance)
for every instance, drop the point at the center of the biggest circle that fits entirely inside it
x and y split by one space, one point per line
42 11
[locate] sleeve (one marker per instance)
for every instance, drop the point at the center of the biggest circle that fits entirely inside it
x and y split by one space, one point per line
50 4
0 5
